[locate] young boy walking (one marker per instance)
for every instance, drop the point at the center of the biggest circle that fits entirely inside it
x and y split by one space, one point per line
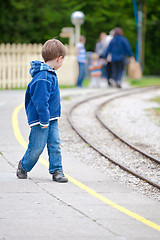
43 108
95 68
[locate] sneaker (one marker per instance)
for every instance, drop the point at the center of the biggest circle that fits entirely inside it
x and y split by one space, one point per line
119 85
20 172
58 176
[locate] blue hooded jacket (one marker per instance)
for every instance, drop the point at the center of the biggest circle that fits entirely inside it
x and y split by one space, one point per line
42 98
119 48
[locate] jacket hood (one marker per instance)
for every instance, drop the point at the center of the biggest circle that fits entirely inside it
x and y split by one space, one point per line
37 66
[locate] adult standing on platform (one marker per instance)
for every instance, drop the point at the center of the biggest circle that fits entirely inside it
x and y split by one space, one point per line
81 58
101 46
119 48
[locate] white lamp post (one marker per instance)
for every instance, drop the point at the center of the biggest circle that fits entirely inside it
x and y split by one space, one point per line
77 18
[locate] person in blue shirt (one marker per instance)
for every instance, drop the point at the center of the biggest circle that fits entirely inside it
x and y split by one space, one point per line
81 58
43 108
118 48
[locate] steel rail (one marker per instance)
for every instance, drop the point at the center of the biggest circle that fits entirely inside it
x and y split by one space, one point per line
98 150
97 114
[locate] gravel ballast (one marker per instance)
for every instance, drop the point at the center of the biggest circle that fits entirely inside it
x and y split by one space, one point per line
130 118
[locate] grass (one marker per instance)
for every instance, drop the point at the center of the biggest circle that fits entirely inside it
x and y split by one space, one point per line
156 99
144 81
155 111
86 82
66 98
65 86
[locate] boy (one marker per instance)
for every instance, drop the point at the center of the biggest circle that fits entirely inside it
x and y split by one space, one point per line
43 108
95 68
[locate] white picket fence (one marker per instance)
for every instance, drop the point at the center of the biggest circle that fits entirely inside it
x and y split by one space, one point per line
15 64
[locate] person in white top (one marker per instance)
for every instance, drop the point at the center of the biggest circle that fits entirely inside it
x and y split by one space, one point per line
101 47
103 43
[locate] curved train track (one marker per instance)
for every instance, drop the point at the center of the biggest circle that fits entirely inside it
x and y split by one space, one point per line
118 136
112 96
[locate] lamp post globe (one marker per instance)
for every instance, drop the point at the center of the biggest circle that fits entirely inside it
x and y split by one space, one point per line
77 19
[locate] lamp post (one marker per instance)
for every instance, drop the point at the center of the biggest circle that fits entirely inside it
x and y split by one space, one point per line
138 13
140 18
77 19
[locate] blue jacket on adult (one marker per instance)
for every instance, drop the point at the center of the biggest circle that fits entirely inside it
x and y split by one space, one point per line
119 48
42 98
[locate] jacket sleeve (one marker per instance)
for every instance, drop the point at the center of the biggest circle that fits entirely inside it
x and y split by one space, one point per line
128 47
108 50
40 94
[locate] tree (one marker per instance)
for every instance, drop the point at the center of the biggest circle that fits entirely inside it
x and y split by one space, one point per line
36 21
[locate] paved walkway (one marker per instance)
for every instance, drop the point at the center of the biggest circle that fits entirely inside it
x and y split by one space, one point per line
91 206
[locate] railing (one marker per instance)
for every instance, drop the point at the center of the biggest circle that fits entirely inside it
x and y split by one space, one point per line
15 64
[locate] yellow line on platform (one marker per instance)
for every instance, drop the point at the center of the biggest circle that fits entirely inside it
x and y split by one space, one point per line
79 184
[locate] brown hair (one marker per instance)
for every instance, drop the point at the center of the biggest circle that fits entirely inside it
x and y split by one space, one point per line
82 38
94 56
118 31
52 49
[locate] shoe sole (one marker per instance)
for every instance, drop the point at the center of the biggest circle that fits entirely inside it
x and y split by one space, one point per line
60 181
21 176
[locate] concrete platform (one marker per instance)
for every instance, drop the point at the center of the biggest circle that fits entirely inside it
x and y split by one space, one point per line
91 206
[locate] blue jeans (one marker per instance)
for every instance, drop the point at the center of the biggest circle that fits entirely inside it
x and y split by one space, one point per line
118 70
37 140
82 72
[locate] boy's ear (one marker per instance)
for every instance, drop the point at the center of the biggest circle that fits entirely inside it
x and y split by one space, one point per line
59 58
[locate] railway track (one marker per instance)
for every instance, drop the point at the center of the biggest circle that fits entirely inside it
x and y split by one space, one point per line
97 114
105 129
